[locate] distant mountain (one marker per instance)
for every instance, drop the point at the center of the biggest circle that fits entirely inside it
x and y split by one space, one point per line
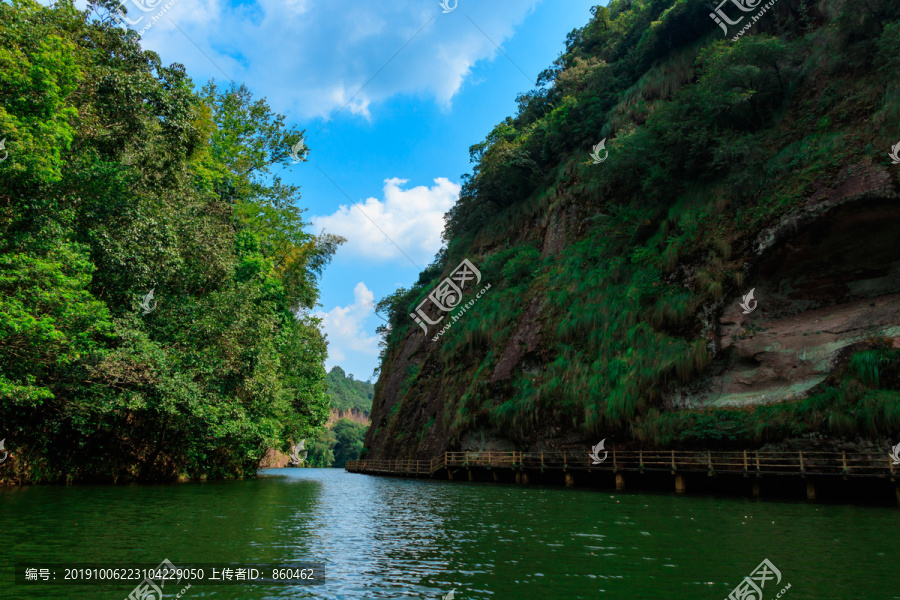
349 393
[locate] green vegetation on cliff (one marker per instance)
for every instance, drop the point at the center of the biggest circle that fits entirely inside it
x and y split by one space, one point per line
710 140
122 180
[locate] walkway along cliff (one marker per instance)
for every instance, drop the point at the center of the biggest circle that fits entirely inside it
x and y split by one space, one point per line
783 473
720 274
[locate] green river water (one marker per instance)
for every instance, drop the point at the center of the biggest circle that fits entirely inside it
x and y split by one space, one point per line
406 538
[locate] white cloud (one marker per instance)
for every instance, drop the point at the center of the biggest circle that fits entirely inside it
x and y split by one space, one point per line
413 219
344 326
312 57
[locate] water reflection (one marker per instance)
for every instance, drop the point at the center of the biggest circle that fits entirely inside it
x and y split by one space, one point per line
405 538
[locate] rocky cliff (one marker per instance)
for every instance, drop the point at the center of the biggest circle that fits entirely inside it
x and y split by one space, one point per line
351 414
620 272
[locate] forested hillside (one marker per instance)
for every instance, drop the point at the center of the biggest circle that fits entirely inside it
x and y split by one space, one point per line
155 276
658 174
348 393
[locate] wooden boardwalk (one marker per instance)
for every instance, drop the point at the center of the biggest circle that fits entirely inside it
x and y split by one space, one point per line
522 466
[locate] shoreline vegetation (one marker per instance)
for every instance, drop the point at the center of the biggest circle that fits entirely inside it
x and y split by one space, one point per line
157 280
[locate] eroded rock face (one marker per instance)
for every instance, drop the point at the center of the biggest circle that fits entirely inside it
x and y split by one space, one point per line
523 342
833 283
351 413
274 459
826 279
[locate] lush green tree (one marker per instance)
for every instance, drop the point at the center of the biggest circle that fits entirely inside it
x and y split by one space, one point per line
321 449
122 180
349 435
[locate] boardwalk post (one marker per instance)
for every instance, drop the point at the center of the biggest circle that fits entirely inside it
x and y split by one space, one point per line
615 465
802 469
570 480
810 490
673 466
620 482
758 474
844 459
711 472
756 489
641 460
679 483
745 463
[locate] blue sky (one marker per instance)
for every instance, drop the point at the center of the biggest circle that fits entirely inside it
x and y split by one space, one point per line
391 95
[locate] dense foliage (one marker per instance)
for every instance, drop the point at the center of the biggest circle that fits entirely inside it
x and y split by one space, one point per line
122 180
709 140
343 441
335 446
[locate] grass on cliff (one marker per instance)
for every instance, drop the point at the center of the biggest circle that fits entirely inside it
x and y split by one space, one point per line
709 140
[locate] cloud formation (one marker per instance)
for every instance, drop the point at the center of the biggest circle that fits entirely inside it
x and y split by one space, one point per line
313 57
345 327
413 219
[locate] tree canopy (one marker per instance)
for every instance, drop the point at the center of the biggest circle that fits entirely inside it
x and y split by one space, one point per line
123 179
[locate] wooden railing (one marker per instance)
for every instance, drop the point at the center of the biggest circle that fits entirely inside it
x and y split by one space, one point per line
413 467
740 462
